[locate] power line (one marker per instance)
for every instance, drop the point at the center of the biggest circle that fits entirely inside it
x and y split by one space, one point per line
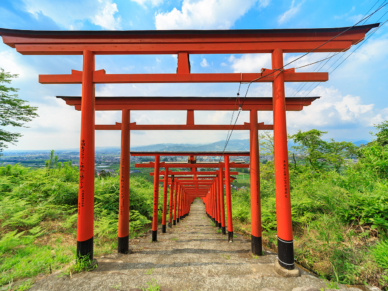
328 59
363 42
282 69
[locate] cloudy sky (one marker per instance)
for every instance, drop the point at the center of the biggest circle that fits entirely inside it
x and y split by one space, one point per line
352 101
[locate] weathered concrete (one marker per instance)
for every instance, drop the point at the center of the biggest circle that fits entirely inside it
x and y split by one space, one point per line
190 256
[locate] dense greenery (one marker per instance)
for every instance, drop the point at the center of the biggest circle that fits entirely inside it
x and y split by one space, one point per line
13 111
339 206
38 215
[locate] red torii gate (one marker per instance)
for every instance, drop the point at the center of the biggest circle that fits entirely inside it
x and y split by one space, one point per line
220 219
183 43
181 175
189 104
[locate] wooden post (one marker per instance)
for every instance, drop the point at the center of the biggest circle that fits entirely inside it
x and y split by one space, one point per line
256 241
85 221
156 200
176 202
228 199
171 201
282 184
123 233
222 201
164 227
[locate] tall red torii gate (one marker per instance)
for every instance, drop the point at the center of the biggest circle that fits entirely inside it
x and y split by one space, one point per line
189 104
219 214
183 43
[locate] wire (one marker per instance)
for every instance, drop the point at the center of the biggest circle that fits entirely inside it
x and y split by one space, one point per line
363 42
371 9
328 58
282 68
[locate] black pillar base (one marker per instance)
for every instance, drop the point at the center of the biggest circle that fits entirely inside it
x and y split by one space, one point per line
85 248
230 236
177 220
174 222
256 245
223 230
123 245
286 254
164 229
170 224
154 235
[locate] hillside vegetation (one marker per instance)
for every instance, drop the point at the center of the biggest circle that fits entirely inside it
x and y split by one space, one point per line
339 208
38 217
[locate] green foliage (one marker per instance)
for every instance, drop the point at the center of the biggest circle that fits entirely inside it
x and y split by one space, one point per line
36 205
152 286
13 111
319 154
374 156
380 254
83 264
339 208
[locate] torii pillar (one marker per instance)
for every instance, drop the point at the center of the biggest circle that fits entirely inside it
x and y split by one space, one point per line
156 200
85 223
282 184
256 241
123 233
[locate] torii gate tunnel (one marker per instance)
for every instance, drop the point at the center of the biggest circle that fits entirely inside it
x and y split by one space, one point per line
183 43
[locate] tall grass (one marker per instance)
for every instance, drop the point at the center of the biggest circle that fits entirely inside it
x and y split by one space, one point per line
340 221
38 217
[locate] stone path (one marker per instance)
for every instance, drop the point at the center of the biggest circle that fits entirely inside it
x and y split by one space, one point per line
190 256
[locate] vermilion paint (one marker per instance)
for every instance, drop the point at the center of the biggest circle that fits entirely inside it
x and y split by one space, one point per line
85 221
228 198
123 231
156 200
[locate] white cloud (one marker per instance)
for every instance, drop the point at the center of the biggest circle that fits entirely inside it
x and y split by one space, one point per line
204 63
290 12
105 17
264 3
152 2
203 14
250 63
344 15
333 110
9 61
69 13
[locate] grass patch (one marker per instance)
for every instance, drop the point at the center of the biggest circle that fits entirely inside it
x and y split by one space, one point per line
38 218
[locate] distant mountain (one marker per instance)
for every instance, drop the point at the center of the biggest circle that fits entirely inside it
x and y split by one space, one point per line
360 142
233 145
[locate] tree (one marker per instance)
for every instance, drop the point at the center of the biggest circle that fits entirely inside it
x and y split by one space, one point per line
13 111
374 156
320 154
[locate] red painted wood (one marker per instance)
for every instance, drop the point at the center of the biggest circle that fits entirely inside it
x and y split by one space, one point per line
255 177
267 76
156 195
228 195
85 222
282 184
124 176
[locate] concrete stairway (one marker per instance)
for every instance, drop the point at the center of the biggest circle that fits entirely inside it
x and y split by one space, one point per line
190 256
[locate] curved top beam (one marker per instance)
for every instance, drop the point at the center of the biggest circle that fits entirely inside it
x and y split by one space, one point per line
50 42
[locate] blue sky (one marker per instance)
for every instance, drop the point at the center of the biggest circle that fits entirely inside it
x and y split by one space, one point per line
352 100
